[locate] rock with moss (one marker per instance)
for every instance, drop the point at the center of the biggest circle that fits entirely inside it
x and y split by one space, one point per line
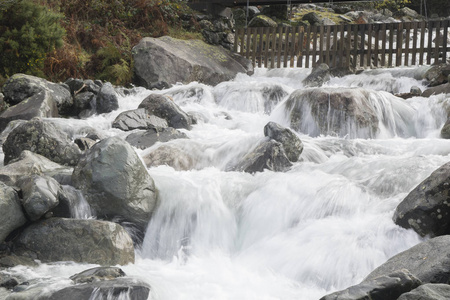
12 216
166 61
44 138
262 21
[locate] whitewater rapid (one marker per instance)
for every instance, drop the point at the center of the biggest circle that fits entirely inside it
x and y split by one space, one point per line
319 227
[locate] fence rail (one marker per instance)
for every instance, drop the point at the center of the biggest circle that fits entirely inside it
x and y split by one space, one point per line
349 45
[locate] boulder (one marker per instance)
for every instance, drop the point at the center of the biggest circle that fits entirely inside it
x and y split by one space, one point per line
13 260
83 241
408 12
445 131
40 194
98 274
262 21
385 287
83 101
116 183
29 163
319 75
330 111
11 216
268 155
121 288
8 282
436 90
292 144
428 261
166 61
107 100
435 75
150 137
84 143
44 138
170 155
428 291
21 87
312 17
164 107
138 119
426 208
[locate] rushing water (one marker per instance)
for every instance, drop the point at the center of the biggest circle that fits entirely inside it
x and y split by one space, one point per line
319 227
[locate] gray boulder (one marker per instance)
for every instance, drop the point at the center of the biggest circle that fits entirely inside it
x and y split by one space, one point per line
164 107
166 61
436 75
330 111
29 163
121 288
312 17
138 119
428 292
319 75
292 144
98 274
445 131
116 183
40 194
21 87
436 90
150 137
83 101
107 100
44 138
428 261
170 155
385 287
262 21
426 208
13 260
11 216
268 155
83 241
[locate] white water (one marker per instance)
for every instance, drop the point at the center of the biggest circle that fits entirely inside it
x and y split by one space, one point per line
320 227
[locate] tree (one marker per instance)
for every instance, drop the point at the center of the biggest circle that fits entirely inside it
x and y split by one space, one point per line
28 32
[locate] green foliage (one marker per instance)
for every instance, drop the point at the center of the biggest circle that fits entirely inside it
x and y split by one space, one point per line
392 5
440 7
28 32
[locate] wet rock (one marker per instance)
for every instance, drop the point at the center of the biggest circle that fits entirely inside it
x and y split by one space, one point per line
346 111
44 138
426 208
435 75
11 216
21 87
13 260
40 194
318 76
440 89
116 183
170 155
385 287
428 292
415 91
168 61
268 155
428 261
120 288
98 274
262 21
84 143
138 119
29 163
83 101
312 17
107 100
150 137
8 282
292 144
83 241
163 107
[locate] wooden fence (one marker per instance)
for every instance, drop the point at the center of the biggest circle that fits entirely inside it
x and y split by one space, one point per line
356 45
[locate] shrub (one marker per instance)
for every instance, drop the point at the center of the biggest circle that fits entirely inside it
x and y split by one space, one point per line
392 5
28 32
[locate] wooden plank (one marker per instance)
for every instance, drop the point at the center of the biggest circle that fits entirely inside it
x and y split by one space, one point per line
383 44
236 40
260 46
253 32
407 36
430 42
280 45
248 47
293 47
377 44
328 45
321 38
300 48
422 42
355 45
342 43
362 33
335 46
369 45
288 38
243 42
391 44
437 41
399 45
314 50
273 48
307 45
445 24
349 46
266 45
414 45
